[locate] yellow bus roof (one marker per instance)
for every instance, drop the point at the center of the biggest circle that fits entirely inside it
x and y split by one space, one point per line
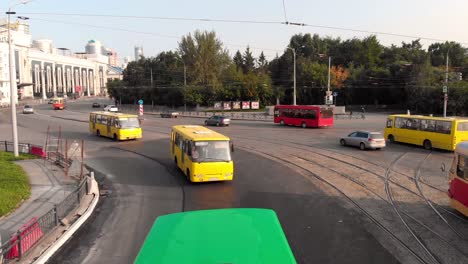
113 114
198 133
433 118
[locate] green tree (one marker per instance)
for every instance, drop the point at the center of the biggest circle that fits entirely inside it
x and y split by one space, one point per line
248 61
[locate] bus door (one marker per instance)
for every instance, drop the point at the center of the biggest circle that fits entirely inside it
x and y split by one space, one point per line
172 142
184 148
110 121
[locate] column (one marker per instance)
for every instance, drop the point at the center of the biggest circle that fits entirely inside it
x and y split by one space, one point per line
87 83
54 80
43 87
72 73
64 82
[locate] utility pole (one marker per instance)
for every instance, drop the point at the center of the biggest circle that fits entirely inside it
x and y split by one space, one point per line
151 71
294 61
329 64
185 87
446 84
13 88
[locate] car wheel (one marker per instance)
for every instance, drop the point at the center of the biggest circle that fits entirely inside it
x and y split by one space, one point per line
98 133
217 124
391 139
362 146
206 123
343 142
427 144
304 125
282 122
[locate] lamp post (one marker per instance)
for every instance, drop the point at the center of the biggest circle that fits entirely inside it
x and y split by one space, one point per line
294 56
328 93
185 84
13 88
445 90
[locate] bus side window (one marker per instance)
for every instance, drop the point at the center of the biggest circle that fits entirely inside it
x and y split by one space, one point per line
189 148
389 123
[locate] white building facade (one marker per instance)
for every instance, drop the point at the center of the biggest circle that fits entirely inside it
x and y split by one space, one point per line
43 71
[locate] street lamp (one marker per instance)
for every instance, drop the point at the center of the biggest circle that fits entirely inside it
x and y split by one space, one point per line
294 93
13 88
445 90
185 85
329 66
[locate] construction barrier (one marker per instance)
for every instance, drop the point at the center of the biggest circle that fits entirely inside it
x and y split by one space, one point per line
37 151
28 235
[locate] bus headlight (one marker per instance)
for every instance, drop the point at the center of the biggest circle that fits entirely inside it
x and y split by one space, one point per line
227 174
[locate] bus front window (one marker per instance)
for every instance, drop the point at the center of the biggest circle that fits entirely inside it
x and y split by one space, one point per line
210 151
132 122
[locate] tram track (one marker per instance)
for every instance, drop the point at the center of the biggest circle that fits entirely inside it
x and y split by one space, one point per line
371 190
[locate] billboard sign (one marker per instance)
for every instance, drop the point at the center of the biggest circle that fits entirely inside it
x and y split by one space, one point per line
217 105
255 105
236 105
227 105
245 105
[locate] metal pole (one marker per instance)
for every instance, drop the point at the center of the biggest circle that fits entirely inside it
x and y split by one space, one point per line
13 92
294 99
329 64
185 88
446 84
151 70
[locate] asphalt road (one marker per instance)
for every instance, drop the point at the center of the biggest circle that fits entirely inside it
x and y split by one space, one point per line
142 183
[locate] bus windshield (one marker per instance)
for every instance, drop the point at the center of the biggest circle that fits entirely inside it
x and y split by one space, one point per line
210 151
131 122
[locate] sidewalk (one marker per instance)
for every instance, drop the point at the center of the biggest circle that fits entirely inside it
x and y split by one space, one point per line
49 186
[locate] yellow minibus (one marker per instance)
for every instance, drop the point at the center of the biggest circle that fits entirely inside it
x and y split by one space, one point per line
202 154
427 131
117 126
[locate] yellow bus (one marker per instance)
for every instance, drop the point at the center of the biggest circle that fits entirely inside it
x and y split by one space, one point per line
427 131
117 126
202 154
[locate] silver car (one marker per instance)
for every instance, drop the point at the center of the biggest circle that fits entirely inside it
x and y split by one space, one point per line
217 121
27 109
364 140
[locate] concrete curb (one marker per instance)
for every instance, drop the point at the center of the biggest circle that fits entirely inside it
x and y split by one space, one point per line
73 228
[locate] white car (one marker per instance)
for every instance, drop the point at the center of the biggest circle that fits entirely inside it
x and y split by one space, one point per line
28 109
111 108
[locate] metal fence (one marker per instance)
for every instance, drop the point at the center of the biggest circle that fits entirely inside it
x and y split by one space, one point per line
21 242
25 239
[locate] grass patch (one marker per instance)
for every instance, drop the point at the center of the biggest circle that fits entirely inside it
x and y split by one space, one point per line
14 183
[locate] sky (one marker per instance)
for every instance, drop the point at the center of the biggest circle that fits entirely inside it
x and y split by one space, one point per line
445 20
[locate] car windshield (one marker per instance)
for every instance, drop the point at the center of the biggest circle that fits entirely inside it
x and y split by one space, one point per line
131 122
210 151
27 106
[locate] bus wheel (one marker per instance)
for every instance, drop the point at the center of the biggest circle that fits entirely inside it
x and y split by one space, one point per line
304 125
362 146
188 174
282 122
175 161
98 133
391 139
115 137
427 144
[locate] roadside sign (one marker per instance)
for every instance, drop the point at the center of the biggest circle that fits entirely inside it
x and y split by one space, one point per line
140 102
141 109
444 89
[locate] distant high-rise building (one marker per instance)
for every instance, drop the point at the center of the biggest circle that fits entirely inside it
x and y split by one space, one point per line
138 52
113 59
127 60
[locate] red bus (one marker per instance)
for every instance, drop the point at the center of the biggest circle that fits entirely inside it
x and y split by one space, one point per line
304 115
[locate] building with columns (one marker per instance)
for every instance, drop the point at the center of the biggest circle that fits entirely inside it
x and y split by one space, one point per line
43 71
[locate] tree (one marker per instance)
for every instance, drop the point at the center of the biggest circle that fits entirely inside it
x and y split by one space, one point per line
238 60
339 75
248 61
203 53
